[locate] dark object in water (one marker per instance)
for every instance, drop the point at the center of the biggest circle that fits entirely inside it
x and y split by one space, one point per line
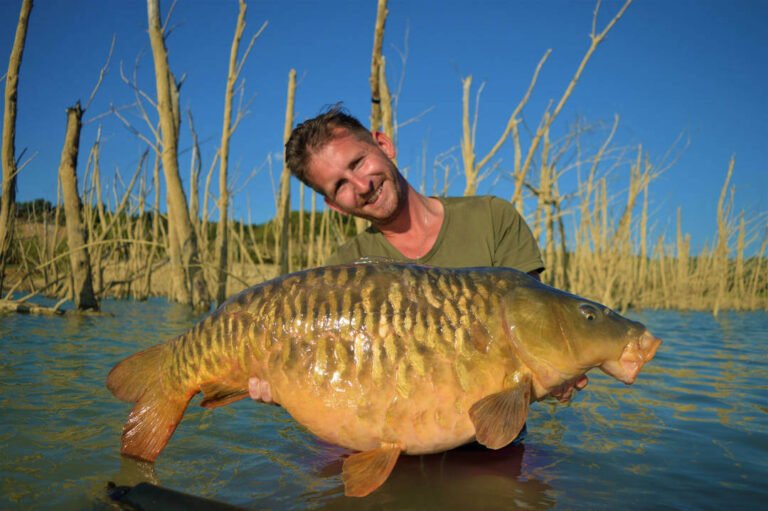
149 497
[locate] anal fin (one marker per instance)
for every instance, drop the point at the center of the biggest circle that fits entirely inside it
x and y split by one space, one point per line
365 471
498 418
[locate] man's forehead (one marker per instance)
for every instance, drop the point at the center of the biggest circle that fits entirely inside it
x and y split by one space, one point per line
336 135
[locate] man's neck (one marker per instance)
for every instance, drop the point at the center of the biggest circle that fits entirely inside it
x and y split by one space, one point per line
414 230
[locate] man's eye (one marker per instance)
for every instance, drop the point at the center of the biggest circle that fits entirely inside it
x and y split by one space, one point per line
339 187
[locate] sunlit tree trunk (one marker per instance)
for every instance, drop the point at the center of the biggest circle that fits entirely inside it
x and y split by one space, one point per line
284 204
312 237
222 233
375 82
190 286
300 253
8 205
76 237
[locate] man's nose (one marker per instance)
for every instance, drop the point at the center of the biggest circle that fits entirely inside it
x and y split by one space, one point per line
361 184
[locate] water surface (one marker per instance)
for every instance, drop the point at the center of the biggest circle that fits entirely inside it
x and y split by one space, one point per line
691 433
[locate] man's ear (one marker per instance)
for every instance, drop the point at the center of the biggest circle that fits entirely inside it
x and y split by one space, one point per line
385 144
333 206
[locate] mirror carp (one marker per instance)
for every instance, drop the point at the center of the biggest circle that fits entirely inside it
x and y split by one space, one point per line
384 359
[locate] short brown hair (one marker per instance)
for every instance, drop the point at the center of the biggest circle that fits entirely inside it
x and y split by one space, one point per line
314 133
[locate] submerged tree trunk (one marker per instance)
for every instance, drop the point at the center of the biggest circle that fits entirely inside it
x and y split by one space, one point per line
79 259
8 205
189 281
284 204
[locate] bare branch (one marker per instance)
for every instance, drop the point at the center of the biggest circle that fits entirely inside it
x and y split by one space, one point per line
248 49
513 121
136 132
102 72
165 28
416 118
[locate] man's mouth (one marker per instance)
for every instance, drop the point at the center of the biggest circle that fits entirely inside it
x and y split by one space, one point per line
375 195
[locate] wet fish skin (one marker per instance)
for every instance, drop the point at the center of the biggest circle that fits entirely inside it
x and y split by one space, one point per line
383 358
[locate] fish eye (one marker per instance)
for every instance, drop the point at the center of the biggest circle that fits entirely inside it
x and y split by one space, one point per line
588 311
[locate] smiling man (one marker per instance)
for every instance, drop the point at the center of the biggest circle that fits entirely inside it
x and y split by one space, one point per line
354 170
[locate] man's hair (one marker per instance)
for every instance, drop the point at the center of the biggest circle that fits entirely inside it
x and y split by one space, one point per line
313 134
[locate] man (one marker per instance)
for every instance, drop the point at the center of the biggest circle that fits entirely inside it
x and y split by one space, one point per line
352 168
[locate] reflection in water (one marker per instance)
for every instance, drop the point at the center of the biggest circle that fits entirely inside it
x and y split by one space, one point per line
691 433
450 480
133 472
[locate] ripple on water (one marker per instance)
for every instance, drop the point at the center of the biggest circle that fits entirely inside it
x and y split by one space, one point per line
691 433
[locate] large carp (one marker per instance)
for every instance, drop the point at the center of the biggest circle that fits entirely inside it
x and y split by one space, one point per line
383 359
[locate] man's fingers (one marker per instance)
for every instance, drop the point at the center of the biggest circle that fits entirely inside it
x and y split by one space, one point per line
259 390
253 388
266 391
565 392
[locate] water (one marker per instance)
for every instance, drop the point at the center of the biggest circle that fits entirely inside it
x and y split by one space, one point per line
692 433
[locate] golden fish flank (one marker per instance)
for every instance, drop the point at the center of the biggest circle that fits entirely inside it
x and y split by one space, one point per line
383 359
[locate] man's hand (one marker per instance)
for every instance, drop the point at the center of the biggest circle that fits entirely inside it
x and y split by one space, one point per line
564 392
260 390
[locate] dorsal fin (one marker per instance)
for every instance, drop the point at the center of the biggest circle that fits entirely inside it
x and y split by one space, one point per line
376 260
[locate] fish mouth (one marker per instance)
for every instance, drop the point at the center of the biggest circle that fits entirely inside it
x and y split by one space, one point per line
636 354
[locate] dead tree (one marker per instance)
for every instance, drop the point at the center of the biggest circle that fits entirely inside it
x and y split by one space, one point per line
189 284
8 205
284 203
376 81
82 278
222 233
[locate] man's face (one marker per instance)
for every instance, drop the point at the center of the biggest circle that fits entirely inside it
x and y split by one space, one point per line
357 177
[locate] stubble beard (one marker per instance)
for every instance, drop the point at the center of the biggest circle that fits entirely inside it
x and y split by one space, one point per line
401 199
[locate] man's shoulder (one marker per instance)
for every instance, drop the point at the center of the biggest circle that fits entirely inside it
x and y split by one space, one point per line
475 201
364 244
487 205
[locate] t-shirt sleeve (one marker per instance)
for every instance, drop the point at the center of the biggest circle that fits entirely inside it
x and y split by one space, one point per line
515 246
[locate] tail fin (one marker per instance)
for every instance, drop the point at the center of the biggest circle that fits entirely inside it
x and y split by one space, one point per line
140 379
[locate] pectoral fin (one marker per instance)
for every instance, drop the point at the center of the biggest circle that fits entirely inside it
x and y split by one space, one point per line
498 418
220 394
365 471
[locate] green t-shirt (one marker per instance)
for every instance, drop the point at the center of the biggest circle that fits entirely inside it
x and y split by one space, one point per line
476 231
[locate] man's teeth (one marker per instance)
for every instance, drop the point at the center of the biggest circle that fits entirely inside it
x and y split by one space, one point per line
375 196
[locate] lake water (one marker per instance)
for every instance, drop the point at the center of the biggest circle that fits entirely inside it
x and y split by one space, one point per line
691 433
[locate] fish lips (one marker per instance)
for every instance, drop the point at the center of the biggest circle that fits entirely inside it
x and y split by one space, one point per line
635 354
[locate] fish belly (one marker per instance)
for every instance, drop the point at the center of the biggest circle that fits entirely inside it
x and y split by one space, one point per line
366 354
421 413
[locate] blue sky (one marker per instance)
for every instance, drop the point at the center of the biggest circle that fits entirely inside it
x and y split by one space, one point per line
672 70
